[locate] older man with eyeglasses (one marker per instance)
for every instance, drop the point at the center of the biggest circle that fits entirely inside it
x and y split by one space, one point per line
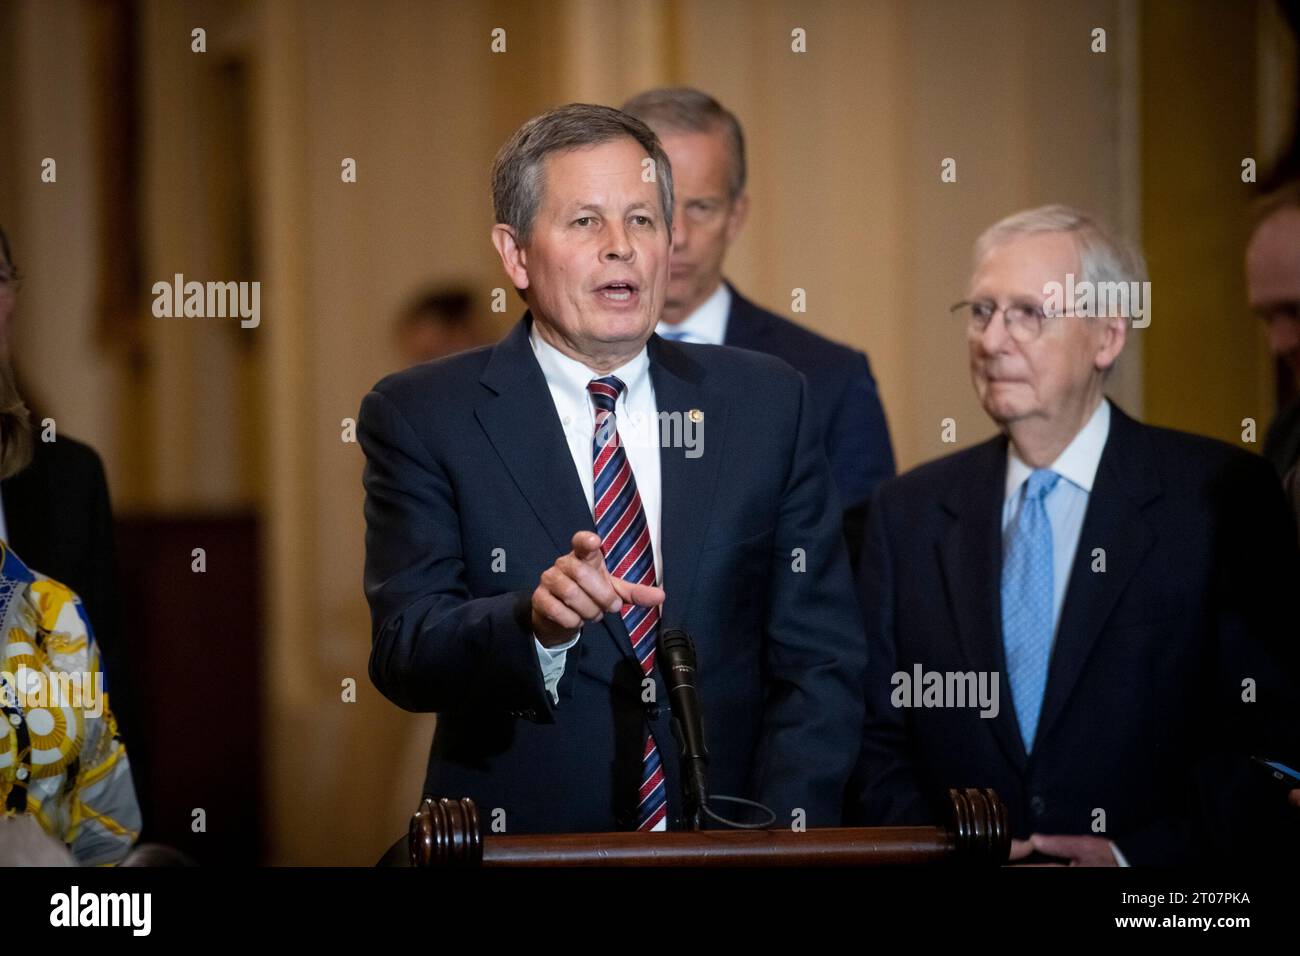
1121 582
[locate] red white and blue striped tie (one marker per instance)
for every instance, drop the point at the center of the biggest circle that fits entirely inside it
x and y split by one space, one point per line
625 541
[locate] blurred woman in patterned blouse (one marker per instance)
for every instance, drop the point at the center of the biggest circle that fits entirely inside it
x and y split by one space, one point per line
62 761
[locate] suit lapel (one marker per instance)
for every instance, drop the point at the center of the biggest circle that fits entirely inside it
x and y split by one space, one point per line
746 326
522 424
688 484
970 554
1126 482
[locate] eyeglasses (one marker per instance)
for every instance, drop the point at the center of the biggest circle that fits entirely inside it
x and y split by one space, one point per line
1024 322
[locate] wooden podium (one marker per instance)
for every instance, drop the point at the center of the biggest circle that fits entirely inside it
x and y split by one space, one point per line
447 833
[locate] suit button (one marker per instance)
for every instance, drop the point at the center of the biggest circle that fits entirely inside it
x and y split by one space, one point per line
652 712
1038 805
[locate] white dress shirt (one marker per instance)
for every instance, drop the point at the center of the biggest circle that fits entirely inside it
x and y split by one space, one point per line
1066 506
636 415
707 325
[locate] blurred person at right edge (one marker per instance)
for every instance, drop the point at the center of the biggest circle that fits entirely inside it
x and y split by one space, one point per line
1273 291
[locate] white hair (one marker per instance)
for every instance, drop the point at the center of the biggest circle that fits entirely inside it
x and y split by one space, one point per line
1101 257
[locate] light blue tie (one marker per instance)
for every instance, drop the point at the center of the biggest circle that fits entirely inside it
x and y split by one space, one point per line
1027 586
674 336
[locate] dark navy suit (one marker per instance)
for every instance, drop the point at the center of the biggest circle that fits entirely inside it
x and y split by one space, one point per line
844 398
1143 715
471 494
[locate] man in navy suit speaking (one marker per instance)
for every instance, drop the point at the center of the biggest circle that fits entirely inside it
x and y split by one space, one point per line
538 510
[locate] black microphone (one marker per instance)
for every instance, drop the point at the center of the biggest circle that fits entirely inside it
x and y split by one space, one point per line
676 657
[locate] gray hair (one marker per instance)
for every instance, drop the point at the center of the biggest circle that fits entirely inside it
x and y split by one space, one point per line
682 109
517 171
1102 257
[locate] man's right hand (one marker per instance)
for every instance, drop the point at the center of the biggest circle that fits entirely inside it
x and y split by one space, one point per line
578 587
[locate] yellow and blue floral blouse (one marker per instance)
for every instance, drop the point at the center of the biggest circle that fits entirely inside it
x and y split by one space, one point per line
61 757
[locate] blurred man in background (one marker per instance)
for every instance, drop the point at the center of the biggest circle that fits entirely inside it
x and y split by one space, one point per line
706 147
438 323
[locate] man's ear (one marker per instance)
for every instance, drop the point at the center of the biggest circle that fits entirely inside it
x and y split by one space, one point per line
513 257
1113 336
736 220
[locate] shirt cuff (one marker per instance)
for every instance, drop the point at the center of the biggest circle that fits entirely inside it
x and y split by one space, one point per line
551 660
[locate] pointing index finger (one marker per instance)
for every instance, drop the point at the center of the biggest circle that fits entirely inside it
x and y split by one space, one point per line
586 544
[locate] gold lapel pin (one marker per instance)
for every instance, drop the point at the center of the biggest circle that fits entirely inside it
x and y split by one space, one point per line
696 415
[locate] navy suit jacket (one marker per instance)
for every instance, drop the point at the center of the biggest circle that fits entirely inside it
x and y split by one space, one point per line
1143 716
471 494
844 397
